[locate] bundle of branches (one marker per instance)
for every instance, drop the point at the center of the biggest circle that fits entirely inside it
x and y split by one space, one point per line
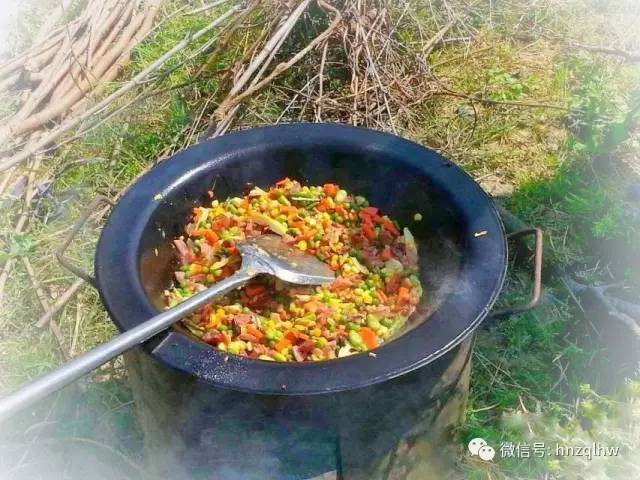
56 77
375 77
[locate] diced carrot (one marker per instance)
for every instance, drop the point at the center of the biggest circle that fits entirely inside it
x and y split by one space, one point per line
303 336
282 344
381 296
368 337
255 332
370 211
306 233
340 210
311 306
211 237
368 231
389 227
403 296
290 335
386 253
195 268
220 223
323 206
330 189
287 209
280 183
367 218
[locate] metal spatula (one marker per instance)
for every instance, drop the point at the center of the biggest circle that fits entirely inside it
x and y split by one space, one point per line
266 254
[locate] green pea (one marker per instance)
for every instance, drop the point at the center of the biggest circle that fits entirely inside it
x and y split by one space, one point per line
270 334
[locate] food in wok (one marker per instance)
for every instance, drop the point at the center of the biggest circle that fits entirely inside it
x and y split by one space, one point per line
376 263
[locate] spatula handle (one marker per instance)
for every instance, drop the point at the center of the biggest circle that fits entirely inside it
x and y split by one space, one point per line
80 366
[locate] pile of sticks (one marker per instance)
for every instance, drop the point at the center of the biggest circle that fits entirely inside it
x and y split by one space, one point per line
359 41
70 64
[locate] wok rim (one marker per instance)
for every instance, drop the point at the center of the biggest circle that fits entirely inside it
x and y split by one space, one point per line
125 299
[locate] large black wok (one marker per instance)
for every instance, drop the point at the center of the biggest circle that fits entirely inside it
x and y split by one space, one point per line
205 411
461 271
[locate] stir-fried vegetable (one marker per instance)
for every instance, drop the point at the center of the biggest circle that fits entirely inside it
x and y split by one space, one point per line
375 291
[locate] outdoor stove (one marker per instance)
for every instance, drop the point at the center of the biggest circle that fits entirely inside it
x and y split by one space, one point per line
194 431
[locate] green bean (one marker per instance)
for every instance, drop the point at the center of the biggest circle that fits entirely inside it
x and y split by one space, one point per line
283 200
356 340
373 322
279 357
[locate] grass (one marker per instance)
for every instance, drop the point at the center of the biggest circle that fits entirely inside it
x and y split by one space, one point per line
567 171
556 170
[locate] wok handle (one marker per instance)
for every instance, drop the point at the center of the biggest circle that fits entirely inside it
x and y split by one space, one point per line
80 366
537 273
64 261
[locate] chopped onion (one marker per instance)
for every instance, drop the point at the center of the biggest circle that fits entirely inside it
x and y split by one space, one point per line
345 351
412 248
256 192
273 224
361 268
220 264
393 265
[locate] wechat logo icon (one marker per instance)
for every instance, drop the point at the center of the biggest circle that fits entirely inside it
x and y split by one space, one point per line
479 447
